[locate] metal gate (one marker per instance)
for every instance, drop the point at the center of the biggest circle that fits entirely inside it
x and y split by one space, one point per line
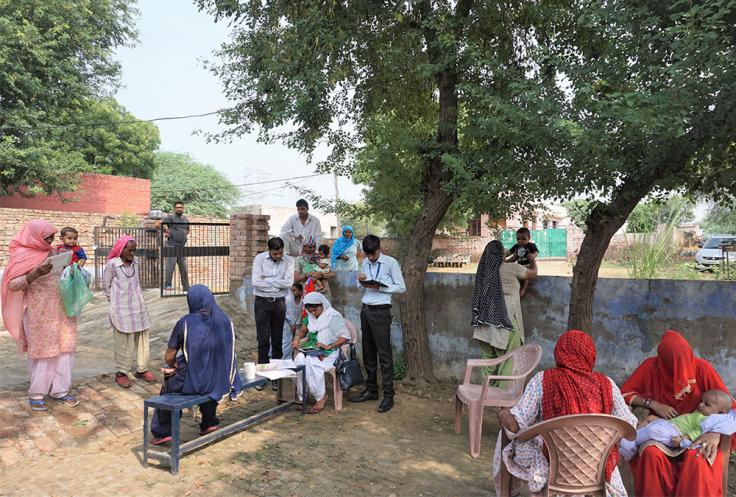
147 252
204 259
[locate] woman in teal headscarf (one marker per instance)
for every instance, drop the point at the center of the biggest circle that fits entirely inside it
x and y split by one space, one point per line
345 251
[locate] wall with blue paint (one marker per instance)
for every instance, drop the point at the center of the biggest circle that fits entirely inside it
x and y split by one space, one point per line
629 319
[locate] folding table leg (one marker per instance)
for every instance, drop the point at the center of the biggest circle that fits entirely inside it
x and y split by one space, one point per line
145 434
175 420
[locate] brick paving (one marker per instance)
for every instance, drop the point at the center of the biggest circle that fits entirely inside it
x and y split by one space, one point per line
105 411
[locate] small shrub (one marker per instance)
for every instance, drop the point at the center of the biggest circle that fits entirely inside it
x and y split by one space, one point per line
128 220
399 368
686 271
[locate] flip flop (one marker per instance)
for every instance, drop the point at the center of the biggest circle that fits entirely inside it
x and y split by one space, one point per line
314 410
68 400
209 430
38 405
161 441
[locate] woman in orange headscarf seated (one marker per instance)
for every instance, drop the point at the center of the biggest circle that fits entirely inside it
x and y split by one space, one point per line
570 388
669 384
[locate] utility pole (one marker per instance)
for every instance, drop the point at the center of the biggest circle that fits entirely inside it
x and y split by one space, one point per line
337 201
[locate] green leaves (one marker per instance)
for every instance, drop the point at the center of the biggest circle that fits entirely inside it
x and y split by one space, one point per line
203 189
55 61
113 143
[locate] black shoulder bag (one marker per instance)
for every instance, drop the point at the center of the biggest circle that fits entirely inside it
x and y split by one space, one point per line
348 370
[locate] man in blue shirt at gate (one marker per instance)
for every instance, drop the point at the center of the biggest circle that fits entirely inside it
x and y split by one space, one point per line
380 278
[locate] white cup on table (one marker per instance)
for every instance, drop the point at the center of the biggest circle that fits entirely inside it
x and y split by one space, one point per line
249 369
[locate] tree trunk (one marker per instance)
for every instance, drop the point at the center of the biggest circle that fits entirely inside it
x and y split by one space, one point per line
585 272
602 223
413 318
419 245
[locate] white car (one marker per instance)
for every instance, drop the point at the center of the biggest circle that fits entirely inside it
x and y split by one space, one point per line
711 254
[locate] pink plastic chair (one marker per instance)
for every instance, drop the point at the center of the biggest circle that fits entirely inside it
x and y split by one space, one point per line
577 447
477 396
336 389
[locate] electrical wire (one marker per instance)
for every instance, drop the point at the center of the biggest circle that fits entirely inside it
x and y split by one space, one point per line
107 123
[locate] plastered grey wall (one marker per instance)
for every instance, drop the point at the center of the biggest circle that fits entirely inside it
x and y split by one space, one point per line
629 319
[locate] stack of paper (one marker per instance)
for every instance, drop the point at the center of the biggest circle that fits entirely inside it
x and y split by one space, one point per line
276 369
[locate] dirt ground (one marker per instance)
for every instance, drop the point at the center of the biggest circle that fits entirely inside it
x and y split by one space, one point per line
410 451
608 269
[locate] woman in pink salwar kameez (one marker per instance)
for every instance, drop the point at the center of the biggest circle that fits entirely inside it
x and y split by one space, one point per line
34 315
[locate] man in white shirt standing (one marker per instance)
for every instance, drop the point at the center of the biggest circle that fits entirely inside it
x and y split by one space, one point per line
380 278
299 228
272 277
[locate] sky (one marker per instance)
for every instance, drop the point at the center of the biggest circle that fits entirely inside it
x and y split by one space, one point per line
163 75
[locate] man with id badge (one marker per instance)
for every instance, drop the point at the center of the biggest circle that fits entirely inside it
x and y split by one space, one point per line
380 279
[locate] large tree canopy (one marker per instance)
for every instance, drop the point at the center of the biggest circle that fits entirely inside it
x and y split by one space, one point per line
55 56
466 105
429 103
720 219
112 142
652 92
203 189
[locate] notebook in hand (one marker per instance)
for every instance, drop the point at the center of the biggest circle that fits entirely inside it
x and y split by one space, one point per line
312 352
372 282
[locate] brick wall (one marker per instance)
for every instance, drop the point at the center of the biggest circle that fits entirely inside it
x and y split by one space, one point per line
11 221
248 238
98 193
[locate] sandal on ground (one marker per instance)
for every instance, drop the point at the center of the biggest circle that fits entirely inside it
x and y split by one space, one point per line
209 430
161 441
315 410
37 405
122 380
68 400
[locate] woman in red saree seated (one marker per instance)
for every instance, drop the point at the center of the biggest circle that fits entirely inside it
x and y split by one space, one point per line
570 388
670 384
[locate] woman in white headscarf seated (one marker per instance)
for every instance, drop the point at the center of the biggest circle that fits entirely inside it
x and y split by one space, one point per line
326 333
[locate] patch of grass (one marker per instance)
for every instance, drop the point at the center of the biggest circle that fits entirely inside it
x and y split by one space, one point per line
399 368
650 253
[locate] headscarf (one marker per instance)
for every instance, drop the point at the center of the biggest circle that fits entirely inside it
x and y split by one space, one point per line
317 324
489 305
342 244
208 346
312 258
674 376
573 388
675 365
26 251
119 246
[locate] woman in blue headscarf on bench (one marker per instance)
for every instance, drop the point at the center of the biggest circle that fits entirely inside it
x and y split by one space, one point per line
207 364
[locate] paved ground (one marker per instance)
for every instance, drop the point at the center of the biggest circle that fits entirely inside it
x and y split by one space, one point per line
94 349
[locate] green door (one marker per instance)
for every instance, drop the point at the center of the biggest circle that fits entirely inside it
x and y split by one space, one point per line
557 242
550 242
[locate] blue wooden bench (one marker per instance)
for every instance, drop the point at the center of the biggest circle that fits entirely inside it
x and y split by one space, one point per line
176 403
